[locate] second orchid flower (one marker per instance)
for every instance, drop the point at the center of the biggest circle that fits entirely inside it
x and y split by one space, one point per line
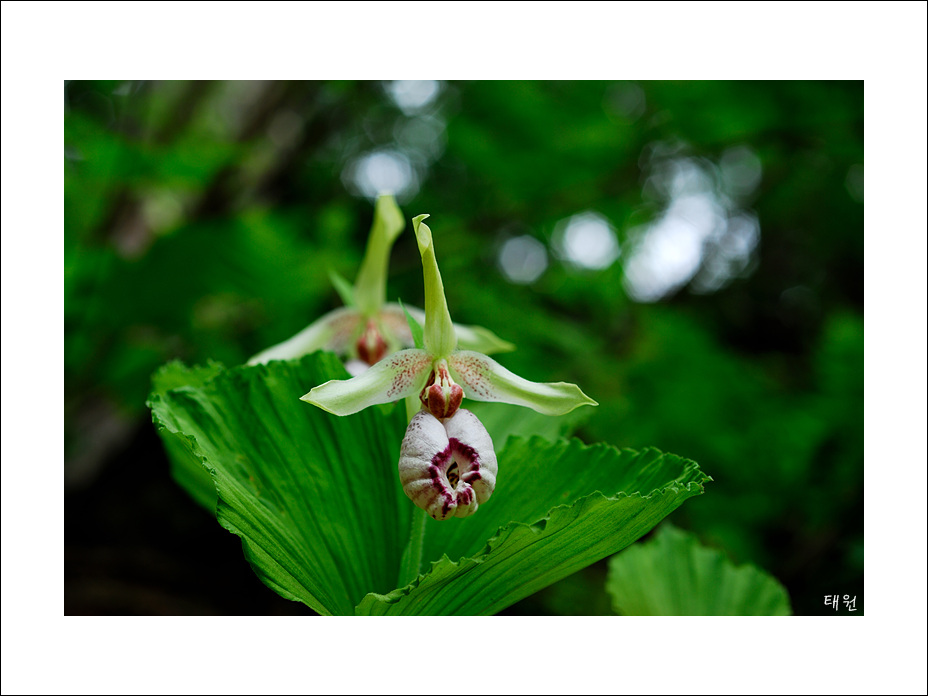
368 327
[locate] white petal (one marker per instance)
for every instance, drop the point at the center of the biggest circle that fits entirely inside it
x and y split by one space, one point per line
447 469
467 429
484 379
334 331
393 378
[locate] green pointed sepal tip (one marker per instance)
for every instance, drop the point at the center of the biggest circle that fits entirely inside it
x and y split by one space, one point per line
370 288
440 336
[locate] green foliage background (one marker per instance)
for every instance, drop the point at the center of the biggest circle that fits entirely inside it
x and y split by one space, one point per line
202 219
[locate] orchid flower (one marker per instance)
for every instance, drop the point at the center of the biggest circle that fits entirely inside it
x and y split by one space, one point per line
369 328
447 463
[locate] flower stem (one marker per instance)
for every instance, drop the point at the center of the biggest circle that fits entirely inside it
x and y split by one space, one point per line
412 554
411 561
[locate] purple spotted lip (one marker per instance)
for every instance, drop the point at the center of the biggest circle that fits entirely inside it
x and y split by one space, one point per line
447 467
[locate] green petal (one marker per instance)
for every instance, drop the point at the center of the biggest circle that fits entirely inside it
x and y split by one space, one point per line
484 379
370 288
470 337
440 338
333 331
393 378
415 329
344 289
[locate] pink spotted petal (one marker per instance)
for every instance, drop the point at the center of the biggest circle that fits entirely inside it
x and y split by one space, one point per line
484 379
393 378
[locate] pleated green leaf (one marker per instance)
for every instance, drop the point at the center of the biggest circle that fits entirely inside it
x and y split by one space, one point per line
186 468
313 496
674 575
317 501
557 508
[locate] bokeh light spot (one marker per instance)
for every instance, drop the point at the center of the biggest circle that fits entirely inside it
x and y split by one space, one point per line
728 252
382 171
587 241
702 237
523 259
413 96
423 137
